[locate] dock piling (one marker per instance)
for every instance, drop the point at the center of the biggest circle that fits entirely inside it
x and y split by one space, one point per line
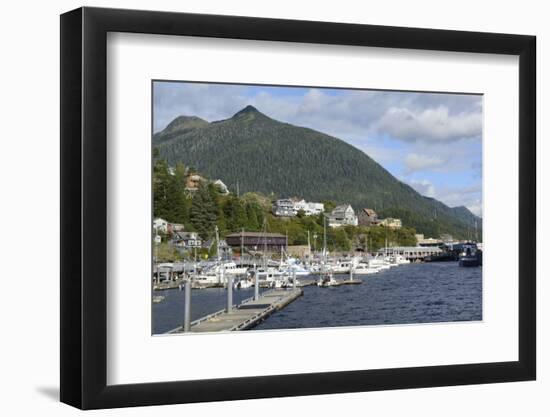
187 308
229 293
256 284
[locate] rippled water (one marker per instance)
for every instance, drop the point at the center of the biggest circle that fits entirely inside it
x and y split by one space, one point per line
415 293
168 314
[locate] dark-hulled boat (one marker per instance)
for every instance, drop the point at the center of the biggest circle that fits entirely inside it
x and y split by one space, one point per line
470 256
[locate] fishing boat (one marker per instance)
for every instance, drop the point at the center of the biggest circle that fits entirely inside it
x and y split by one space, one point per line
469 255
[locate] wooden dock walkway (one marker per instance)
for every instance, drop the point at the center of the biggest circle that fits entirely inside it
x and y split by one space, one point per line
247 315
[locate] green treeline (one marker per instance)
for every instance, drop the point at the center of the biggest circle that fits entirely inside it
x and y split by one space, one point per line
207 207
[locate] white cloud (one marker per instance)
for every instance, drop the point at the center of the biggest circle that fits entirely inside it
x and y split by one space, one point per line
417 162
424 187
468 196
347 114
431 124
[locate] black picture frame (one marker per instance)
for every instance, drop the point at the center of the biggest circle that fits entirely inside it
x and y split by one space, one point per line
84 207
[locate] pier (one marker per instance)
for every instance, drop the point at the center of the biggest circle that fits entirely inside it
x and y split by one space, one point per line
246 315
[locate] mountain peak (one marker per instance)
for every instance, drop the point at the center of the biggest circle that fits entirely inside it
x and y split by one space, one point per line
185 122
248 110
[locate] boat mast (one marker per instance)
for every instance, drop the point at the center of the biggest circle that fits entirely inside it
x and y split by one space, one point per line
217 244
324 245
242 244
265 245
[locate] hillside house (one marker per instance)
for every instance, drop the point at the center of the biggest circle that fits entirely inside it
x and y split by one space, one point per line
391 223
342 216
187 240
193 181
309 208
367 217
175 227
160 225
222 188
284 208
290 207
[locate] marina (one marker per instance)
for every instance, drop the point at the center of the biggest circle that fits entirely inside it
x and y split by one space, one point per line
411 293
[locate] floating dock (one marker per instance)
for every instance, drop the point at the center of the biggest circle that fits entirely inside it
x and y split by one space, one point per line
246 315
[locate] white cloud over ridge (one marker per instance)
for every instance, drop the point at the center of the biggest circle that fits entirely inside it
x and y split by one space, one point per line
417 162
468 196
431 124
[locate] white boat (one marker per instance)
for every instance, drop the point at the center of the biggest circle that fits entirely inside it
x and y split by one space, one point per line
269 274
243 284
378 263
208 277
294 269
230 268
326 280
341 267
401 260
363 268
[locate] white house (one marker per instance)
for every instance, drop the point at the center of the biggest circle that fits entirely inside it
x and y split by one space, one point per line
284 208
289 207
160 225
222 187
187 240
342 216
309 208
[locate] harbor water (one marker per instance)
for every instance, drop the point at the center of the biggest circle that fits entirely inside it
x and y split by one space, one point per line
413 293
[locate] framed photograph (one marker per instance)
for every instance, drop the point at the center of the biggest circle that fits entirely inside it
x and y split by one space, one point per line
258 208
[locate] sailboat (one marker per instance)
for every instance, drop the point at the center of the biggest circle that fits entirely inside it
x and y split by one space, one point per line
326 279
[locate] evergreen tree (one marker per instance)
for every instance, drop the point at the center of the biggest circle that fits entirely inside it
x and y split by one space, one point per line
179 201
203 212
251 213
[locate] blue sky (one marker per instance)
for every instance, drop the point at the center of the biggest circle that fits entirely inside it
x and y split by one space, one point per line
431 141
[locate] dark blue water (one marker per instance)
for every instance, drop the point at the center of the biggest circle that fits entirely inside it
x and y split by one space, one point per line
168 314
415 293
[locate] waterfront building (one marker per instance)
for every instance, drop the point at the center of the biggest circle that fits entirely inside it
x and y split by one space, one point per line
342 216
256 241
299 251
411 253
367 217
160 225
